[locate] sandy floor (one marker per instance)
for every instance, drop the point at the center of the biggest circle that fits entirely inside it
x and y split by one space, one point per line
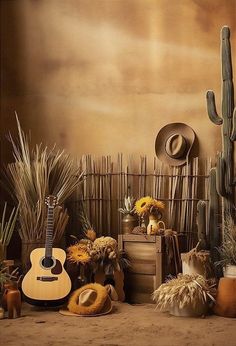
127 325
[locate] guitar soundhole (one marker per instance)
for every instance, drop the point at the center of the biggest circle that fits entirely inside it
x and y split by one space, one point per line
47 262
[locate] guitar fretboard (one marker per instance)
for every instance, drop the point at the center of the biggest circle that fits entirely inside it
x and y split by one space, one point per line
49 232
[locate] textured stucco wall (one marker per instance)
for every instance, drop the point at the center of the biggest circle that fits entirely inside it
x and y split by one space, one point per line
103 76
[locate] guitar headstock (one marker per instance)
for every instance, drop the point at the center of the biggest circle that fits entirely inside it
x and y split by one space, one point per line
51 201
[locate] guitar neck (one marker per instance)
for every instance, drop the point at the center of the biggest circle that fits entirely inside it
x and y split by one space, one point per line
49 232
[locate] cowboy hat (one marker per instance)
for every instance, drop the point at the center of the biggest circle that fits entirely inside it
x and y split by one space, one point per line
174 143
89 300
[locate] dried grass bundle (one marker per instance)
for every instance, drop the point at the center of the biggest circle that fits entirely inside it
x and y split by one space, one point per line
195 256
182 291
32 177
227 250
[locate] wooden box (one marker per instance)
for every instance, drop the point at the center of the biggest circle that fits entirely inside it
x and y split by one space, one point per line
149 264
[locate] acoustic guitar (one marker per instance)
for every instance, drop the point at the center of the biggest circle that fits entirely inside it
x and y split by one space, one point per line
47 282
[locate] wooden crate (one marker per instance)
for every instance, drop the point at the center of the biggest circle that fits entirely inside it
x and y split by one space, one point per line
150 267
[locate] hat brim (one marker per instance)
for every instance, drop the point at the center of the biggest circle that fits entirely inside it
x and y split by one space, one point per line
106 309
167 131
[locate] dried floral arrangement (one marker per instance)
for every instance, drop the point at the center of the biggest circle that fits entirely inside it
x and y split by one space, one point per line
96 253
148 205
34 175
101 253
183 291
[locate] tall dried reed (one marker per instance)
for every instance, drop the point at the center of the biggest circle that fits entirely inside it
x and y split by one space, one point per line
32 177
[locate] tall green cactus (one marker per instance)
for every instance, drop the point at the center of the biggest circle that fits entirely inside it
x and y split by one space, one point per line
221 179
212 240
213 221
203 243
225 182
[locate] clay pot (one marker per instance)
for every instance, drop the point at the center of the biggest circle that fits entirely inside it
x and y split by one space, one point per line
129 221
226 298
154 225
11 300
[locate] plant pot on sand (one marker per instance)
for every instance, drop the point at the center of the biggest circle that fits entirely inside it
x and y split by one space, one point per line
226 298
186 296
197 263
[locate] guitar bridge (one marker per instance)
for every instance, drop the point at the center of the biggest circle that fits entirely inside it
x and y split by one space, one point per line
47 278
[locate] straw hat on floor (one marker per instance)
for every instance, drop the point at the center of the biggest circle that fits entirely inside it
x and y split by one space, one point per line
90 300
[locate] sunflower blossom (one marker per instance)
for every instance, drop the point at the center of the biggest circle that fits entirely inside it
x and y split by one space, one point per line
143 205
147 205
78 253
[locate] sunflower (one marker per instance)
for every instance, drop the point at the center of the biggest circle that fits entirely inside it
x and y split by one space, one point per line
78 253
158 204
143 205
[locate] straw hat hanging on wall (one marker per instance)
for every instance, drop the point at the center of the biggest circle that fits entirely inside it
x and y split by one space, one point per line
174 143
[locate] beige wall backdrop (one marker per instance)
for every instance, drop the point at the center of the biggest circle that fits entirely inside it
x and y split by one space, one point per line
103 76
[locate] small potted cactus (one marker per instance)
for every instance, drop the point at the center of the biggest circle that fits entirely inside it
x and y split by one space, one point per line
198 260
129 219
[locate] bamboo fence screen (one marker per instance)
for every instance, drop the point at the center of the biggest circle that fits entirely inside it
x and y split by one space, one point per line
108 181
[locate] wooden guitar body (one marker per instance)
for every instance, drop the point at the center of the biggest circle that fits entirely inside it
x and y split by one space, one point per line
46 281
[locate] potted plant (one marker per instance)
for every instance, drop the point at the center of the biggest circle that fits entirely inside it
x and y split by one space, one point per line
129 221
198 260
186 296
101 258
227 250
35 174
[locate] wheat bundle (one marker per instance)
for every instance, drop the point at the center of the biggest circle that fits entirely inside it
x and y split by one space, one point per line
182 291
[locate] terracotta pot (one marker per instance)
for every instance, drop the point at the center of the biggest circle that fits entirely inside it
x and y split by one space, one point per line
129 221
226 298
